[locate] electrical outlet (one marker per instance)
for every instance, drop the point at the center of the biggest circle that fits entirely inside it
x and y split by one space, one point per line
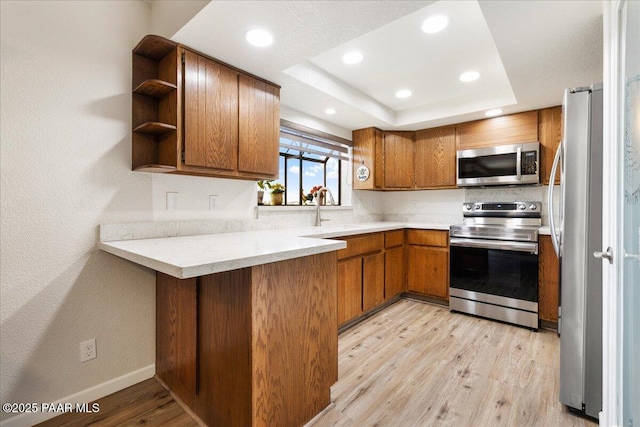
212 201
88 350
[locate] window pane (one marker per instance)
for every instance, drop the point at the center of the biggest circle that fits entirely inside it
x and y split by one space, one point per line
293 181
333 177
312 175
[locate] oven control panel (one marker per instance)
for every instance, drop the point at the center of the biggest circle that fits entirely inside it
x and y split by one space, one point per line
499 209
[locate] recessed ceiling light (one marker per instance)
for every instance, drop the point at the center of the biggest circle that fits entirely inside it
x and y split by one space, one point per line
258 37
435 24
330 111
352 58
469 76
493 113
404 93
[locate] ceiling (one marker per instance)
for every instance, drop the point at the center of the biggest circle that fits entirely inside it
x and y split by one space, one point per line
527 53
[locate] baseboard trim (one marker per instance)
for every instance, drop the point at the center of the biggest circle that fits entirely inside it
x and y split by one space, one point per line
85 396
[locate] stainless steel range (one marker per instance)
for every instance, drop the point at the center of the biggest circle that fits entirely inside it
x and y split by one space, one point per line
494 261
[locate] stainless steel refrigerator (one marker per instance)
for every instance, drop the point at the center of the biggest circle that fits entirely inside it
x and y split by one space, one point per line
576 231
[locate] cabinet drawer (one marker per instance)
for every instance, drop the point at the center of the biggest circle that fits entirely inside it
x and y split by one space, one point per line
361 245
428 238
393 238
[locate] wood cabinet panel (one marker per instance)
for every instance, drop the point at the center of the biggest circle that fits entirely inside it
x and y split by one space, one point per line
367 151
372 281
550 130
210 117
259 131
393 238
428 271
436 157
224 350
394 264
398 160
428 238
548 280
176 345
349 289
295 351
359 245
514 128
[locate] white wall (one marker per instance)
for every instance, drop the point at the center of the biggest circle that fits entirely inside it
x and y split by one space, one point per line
65 168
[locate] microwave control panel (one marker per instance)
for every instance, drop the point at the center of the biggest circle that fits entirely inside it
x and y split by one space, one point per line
529 164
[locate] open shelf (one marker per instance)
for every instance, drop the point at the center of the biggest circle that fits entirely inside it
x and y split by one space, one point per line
154 88
154 47
154 128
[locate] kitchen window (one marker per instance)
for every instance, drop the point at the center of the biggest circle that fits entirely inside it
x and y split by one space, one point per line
310 159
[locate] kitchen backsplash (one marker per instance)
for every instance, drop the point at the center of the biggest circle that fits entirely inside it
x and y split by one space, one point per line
445 206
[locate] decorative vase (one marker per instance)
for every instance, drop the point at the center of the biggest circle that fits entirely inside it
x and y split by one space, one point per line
276 199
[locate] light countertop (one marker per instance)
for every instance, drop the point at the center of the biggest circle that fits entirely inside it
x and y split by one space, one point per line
198 255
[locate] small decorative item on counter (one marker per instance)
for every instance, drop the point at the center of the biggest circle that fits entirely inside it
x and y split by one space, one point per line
263 186
277 190
319 196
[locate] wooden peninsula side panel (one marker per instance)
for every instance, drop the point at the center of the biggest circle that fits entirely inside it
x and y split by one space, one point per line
265 351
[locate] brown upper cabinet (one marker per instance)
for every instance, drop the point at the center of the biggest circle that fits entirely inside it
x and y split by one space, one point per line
367 151
398 155
195 115
514 128
550 130
436 158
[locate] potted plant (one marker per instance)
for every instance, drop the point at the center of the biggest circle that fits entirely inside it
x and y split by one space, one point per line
263 186
277 190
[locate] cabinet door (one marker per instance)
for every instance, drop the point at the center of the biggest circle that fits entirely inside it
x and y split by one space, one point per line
367 151
393 272
428 271
349 289
210 114
550 130
511 129
372 281
398 160
548 280
259 131
436 157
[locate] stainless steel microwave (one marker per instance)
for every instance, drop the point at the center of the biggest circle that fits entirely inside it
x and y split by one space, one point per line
512 164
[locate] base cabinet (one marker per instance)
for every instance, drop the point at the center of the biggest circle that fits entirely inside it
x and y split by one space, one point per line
349 289
428 263
256 346
394 264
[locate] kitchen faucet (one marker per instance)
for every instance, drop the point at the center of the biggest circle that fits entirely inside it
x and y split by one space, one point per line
329 201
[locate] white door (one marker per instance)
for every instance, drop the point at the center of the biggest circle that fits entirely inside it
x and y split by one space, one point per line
621 215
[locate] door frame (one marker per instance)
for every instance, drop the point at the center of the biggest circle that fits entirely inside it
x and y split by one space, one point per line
614 19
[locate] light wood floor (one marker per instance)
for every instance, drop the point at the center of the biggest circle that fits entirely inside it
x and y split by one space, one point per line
412 364
416 364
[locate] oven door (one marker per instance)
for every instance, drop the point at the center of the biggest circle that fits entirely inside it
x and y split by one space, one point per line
496 272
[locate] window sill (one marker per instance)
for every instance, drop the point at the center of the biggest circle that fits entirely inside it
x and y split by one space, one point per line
311 208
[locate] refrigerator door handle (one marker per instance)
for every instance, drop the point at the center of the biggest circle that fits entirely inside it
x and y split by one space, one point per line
552 179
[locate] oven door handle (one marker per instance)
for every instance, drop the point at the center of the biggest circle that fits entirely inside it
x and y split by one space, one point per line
495 244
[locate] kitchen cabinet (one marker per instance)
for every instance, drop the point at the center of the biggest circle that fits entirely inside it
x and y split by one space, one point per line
428 263
367 151
548 280
511 129
198 116
435 157
360 276
394 283
550 131
252 346
398 154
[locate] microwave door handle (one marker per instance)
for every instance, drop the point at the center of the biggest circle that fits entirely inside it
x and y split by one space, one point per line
519 163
